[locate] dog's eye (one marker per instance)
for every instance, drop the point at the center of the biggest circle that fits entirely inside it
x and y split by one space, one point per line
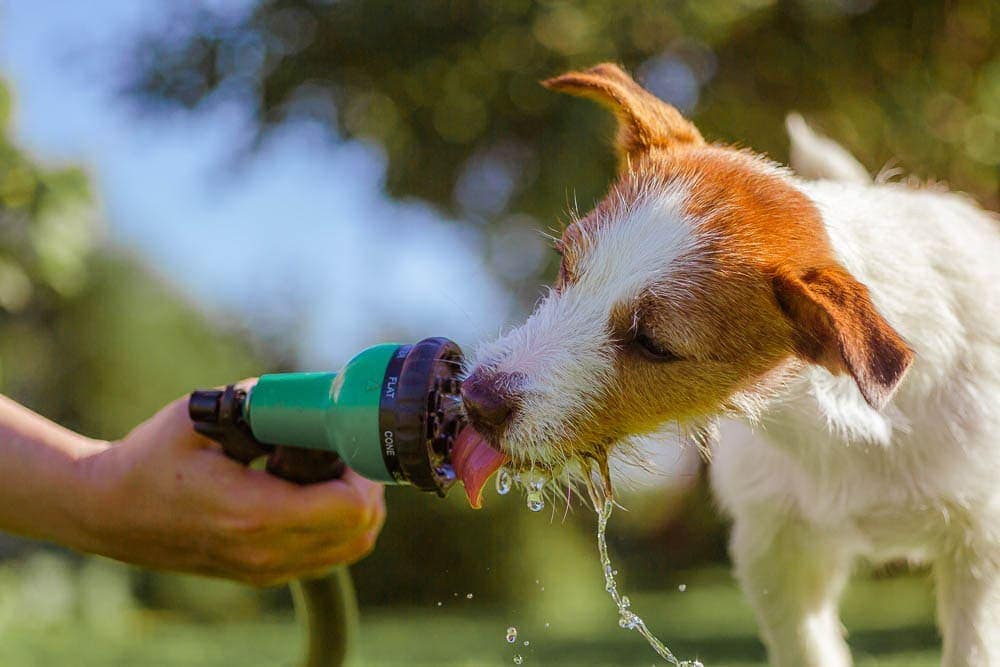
650 349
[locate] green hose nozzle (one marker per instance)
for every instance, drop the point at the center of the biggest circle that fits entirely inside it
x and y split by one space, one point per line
390 414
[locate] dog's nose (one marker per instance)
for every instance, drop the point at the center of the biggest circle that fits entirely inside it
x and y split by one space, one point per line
490 398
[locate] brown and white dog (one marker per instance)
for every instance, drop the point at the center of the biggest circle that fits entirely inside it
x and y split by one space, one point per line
854 325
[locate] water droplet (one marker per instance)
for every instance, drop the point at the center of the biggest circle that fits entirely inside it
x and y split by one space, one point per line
546 625
468 596
446 473
628 621
682 587
518 659
503 481
527 643
535 501
626 603
511 634
439 604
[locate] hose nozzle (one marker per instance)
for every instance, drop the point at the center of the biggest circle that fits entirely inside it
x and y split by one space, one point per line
391 414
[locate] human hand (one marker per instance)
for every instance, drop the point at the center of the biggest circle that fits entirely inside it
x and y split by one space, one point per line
166 497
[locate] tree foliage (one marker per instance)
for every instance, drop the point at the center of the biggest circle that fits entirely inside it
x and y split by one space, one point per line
88 335
449 89
47 228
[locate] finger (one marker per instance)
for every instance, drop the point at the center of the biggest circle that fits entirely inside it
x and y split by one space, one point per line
340 554
334 506
374 492
377 499
337 505
172 427
316 562
246 384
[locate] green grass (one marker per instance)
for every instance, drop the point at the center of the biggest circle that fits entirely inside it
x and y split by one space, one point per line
889 622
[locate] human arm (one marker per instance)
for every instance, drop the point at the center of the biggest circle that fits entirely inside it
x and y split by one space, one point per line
165 497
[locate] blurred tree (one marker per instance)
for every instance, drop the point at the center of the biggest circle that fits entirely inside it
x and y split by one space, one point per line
88 336
47 230
449 89
47 233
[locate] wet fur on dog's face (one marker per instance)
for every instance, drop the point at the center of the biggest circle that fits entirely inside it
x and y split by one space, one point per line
693 288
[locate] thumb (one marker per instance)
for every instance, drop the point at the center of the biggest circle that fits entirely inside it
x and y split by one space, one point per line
172 426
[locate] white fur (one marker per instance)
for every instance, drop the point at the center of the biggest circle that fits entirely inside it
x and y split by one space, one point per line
562 351
833 479
816 157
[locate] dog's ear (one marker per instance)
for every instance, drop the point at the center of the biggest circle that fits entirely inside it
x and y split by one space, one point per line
836 326
644 120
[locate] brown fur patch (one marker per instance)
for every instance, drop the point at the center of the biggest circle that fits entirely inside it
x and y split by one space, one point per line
767 287
644 121
837 326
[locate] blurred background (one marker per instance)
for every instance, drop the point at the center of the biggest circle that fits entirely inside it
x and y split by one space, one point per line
194 192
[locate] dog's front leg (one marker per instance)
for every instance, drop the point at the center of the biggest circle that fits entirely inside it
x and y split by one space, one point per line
793 575
968 591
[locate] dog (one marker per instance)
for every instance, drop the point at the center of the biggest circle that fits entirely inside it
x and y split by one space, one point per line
853 324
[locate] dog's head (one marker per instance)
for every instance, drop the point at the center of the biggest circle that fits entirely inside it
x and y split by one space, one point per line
699 281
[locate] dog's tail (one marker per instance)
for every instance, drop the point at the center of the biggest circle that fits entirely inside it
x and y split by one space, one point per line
815 157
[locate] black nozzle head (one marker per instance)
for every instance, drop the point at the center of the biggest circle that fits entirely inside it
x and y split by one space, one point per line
203 405
425 414
218 414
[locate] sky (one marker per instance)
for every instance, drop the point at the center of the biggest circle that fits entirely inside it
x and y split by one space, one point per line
299 237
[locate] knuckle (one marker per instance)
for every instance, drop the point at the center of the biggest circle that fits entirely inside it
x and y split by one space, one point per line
258 561
243 526
379 513
368 543
244 523
364 545
356 514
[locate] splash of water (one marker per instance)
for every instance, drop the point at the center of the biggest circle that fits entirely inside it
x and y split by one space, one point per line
503 481
536 503
627 618
534 482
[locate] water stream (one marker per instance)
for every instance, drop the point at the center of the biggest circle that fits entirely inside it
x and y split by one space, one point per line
627 618
534 482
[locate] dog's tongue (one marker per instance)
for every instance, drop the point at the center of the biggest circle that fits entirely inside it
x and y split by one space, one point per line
474 461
